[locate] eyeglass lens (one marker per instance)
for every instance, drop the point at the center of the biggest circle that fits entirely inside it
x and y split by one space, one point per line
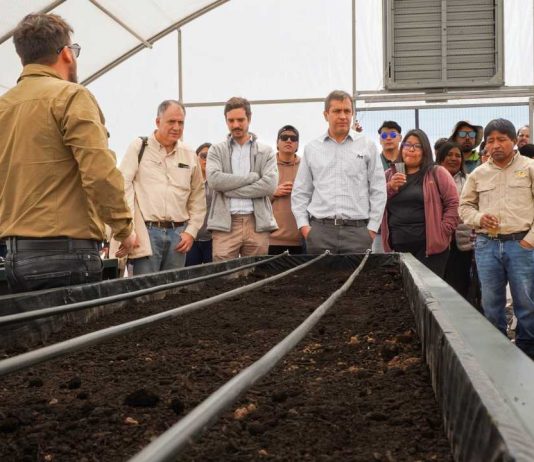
409 146
470 134
392 135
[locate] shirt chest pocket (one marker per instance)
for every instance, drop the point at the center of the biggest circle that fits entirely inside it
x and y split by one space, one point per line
354 166
180 177
486 195
520 192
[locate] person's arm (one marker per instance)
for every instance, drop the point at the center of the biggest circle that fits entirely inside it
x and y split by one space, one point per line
196 203
468 209
302 193
377 189
449 198
220 181
82 125
264 186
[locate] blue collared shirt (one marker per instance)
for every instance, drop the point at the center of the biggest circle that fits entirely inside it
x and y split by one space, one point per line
340 180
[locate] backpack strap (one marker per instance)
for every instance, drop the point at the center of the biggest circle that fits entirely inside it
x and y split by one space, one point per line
144 141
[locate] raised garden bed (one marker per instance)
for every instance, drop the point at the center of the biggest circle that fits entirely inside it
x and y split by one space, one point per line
355 389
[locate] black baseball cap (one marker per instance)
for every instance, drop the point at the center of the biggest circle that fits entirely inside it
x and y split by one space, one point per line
287 128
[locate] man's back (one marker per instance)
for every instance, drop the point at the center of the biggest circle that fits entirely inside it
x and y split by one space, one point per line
52 130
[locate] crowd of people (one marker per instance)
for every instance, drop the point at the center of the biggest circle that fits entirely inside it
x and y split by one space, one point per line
465 213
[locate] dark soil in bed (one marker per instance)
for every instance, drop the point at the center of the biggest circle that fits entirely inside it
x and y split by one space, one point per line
356 389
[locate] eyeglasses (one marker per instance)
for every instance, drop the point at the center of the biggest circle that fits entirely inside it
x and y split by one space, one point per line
293 138
203 156
392 135
410 147
464 134
74 47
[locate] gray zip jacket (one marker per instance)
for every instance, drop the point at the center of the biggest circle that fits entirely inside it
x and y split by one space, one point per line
258 185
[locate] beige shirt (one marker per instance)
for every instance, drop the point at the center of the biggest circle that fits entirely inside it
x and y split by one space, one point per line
57 175
167 186
507 193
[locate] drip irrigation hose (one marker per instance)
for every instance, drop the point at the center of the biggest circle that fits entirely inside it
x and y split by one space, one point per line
168 445
78 306
31 358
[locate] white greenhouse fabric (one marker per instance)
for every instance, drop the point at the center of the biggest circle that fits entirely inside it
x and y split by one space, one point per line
260 49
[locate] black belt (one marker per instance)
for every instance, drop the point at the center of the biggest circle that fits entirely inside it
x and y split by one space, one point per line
508 237
50 244
341 222
164 224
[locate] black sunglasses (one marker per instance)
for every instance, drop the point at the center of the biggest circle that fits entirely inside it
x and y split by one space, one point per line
293 138
74 47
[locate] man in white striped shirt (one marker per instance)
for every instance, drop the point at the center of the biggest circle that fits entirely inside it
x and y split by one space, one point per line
339 193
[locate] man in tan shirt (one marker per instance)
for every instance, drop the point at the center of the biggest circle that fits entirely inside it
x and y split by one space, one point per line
287 236
498 201
165 190
59 182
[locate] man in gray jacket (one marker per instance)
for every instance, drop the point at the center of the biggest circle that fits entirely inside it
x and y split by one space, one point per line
243 175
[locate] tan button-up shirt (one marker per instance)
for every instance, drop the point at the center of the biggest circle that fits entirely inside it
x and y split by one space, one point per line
507 193
57 175
166 186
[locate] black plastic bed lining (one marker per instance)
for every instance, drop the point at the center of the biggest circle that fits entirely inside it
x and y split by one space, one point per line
483 383
38 330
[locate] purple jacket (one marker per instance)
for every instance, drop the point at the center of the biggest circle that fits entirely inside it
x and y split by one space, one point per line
441 209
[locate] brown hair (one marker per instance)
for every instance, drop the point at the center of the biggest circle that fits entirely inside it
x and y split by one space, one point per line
338 95
38 37
237 103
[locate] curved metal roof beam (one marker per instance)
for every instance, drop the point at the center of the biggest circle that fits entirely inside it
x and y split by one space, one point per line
44 10
121 23
153 39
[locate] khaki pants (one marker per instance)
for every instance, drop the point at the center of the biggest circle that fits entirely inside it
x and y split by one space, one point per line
241 241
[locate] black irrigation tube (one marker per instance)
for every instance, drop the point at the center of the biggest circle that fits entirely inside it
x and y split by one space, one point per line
78 306
32 358
167 446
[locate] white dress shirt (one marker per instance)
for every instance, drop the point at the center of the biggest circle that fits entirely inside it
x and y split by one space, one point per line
340 180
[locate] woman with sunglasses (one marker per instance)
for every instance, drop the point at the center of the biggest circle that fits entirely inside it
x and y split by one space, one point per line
422 206
458 269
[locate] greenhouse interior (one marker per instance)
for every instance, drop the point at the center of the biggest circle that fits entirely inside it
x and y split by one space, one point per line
319 354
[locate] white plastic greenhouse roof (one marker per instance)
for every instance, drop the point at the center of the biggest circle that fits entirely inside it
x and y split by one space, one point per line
284 56
116 29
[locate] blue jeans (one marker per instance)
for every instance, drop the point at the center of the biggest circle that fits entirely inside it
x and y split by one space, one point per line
164 257
499 263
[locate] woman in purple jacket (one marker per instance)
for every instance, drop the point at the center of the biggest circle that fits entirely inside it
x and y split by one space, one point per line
422 207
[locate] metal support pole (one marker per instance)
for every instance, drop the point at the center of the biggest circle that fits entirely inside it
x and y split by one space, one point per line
45 10
354 49
417 118
531 99
121 23
180 86
531 117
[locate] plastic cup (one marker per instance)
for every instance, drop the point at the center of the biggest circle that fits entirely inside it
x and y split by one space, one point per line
400 167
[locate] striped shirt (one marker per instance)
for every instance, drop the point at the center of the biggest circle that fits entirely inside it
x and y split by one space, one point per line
241 167
340 180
